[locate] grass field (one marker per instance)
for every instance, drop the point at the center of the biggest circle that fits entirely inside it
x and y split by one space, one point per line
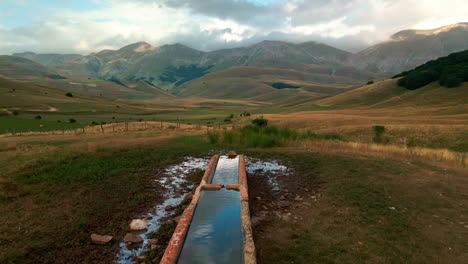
73 185
351 198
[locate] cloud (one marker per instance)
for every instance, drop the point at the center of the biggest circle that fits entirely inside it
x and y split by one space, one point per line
213 24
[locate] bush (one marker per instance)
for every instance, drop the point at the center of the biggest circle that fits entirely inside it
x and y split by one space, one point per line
15 113
260 121
69 94
38 117
213 137
379 138
72 120
370 82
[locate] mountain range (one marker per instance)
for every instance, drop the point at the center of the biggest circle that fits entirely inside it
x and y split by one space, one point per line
175 67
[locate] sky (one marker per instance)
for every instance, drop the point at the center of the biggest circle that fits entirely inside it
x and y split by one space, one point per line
86 26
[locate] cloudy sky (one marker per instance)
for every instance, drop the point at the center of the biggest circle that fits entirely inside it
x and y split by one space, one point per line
85 26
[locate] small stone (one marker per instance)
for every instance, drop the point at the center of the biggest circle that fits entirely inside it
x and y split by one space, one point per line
153 247
138 224
298 199
264 207
282 197
153 241
100 240
140 258
258 198
392 208
169 208
132 238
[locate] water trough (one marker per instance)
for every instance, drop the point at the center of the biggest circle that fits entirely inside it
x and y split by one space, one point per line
215 227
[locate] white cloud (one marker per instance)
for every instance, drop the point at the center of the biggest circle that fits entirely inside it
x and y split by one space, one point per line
214 24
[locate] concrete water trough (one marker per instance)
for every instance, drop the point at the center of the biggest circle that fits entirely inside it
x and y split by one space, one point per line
215 227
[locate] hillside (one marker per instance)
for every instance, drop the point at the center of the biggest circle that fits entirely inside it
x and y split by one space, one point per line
25 69
27 97
387 94
257 83
410 48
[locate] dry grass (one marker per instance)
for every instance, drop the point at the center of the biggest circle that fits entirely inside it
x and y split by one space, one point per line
423 129
114 128
443 157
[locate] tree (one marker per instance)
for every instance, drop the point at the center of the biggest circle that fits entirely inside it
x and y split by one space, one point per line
38 117
15 113
72 120
370 82
69 94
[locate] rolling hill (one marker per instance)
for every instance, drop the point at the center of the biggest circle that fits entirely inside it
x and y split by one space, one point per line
256 83
387 94
24 69
28 97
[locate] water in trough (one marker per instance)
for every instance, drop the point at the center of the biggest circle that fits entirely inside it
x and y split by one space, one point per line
215 233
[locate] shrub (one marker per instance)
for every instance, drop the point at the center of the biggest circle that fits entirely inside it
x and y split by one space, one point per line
15 113
260 121
379 138
370 82
38 117
69 94
213 137
72 120
94 123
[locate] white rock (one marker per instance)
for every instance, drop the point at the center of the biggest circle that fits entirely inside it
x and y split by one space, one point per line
138 224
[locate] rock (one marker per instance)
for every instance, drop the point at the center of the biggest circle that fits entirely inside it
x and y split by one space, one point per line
188 196
100 240
298 199
169 208
153 241
177 219
282 197
258 198
264 207
138 224
132 238
153 247
140 258
232 154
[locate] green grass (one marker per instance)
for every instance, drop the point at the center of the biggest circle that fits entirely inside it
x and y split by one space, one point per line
353 220
18 125
252 136
70 194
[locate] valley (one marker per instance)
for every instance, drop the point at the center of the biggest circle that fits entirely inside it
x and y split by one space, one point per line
350 157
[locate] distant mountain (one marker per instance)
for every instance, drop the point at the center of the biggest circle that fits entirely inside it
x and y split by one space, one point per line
172 65
176 65
410 48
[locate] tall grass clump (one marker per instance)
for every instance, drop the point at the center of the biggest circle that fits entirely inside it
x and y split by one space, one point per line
259 135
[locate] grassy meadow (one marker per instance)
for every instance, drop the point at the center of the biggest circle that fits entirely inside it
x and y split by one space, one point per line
378 173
